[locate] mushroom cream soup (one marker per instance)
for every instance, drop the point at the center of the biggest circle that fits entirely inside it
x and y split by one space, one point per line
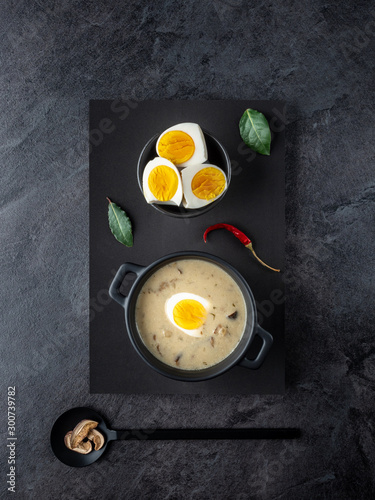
190 314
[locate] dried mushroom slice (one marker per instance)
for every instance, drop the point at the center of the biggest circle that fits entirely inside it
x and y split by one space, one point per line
84 447
67 437
81 431
97 438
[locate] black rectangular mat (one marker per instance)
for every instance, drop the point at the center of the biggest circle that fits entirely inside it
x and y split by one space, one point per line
254 203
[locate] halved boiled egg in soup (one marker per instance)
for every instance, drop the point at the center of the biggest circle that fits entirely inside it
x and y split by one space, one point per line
161 182
183 144
188 312
202 184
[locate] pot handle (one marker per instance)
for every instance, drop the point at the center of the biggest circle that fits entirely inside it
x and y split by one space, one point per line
267 339
114 289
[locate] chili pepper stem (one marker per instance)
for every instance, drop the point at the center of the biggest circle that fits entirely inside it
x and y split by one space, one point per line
250 247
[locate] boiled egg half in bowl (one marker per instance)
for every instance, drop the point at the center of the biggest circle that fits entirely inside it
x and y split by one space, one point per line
202 184
161 182
183 144
187 312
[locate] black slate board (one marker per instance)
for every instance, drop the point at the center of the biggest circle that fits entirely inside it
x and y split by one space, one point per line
254 203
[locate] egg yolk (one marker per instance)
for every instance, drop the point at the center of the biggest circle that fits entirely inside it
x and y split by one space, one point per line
208 183
189 314
176 146
163 182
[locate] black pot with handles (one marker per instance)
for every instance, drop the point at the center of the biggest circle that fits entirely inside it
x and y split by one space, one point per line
236 357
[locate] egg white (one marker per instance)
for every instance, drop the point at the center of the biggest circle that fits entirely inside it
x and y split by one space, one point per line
172 301
150 198
196 133
187 175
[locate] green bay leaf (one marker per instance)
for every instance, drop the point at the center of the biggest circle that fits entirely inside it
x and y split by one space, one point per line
119 224
255 131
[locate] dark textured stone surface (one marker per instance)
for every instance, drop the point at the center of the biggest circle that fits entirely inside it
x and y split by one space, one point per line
318 57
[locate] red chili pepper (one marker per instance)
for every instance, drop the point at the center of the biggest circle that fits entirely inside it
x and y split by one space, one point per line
241 236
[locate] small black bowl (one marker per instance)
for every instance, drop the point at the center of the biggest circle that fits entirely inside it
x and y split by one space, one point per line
217 155
236 357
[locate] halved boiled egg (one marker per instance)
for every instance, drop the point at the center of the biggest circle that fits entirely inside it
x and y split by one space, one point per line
202 184
188 312
161 182
183 144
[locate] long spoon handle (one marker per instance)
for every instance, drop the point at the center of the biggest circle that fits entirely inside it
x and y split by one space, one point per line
173 434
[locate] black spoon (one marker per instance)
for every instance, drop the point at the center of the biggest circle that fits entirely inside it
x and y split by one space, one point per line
68 420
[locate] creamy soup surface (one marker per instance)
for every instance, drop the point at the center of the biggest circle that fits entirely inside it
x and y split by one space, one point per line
196 296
